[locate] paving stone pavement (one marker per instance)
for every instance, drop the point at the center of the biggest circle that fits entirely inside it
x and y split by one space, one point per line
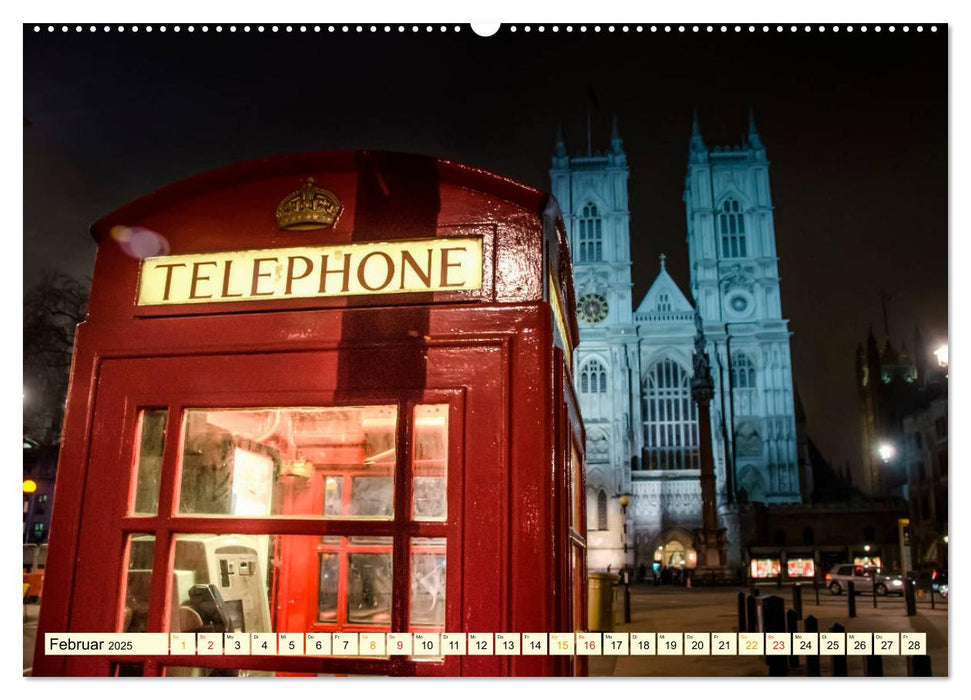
699 609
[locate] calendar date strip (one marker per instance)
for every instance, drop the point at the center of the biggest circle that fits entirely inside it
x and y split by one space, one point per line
432 645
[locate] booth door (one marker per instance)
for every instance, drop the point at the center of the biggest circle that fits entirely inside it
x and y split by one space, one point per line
271 493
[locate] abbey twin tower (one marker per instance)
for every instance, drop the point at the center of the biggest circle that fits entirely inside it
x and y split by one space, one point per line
633 366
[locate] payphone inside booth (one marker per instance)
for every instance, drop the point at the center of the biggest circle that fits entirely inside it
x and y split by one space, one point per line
328 392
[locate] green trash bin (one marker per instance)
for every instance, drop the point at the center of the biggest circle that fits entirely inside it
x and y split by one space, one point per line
600 608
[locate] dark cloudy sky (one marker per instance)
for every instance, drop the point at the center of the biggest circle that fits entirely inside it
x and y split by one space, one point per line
856 127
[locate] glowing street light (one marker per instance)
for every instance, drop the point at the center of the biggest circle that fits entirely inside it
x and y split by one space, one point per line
886 451
30 486
941 355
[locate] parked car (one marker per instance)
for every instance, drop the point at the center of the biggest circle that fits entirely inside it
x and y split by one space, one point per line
863 580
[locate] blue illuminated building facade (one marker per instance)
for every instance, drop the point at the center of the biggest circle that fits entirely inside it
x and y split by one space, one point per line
633 364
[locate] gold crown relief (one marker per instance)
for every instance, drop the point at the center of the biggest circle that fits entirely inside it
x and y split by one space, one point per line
308 208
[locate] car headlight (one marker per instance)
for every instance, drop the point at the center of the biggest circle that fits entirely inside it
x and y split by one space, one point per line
898 583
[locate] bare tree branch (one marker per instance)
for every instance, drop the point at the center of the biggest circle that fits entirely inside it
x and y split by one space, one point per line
52 310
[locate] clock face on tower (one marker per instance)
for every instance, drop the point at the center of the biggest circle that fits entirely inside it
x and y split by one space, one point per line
592 308
739 303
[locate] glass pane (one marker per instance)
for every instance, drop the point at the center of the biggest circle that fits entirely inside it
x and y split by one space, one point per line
138 582
368 581
579 587
327 599
280 583
371 496
801 567
576 490
333 495
148 460
332 462
201 672
220 582
427 583
430 500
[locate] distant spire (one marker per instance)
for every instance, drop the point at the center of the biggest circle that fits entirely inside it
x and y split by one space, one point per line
920 355
860 366
559 149
884 298
872 355
697 143
753 133
662 257
616 145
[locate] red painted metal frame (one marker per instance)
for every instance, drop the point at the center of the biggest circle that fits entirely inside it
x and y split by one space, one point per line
491 356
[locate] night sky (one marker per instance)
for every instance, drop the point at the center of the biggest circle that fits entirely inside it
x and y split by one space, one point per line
856 128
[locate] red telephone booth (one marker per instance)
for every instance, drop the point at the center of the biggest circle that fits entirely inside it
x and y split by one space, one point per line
326 392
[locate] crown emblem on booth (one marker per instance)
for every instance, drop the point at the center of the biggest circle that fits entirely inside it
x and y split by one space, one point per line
308 208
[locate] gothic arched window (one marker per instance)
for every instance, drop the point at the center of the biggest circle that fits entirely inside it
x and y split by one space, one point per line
670 419
663 302
743 372
602 510
591 234
731 220
593 378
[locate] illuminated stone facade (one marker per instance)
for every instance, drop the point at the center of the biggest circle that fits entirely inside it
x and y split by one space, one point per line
633 367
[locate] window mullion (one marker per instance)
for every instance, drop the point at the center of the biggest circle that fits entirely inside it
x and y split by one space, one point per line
400 559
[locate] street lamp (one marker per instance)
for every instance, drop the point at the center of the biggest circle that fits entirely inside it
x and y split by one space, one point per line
30 488
624 501
886 451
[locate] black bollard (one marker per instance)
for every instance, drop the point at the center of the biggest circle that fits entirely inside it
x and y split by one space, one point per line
792 626
919 666
741 612
774 620
812 660
839 662
932 595
851 598
873 666
873 585
816 588
752 614
909 597
797 600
